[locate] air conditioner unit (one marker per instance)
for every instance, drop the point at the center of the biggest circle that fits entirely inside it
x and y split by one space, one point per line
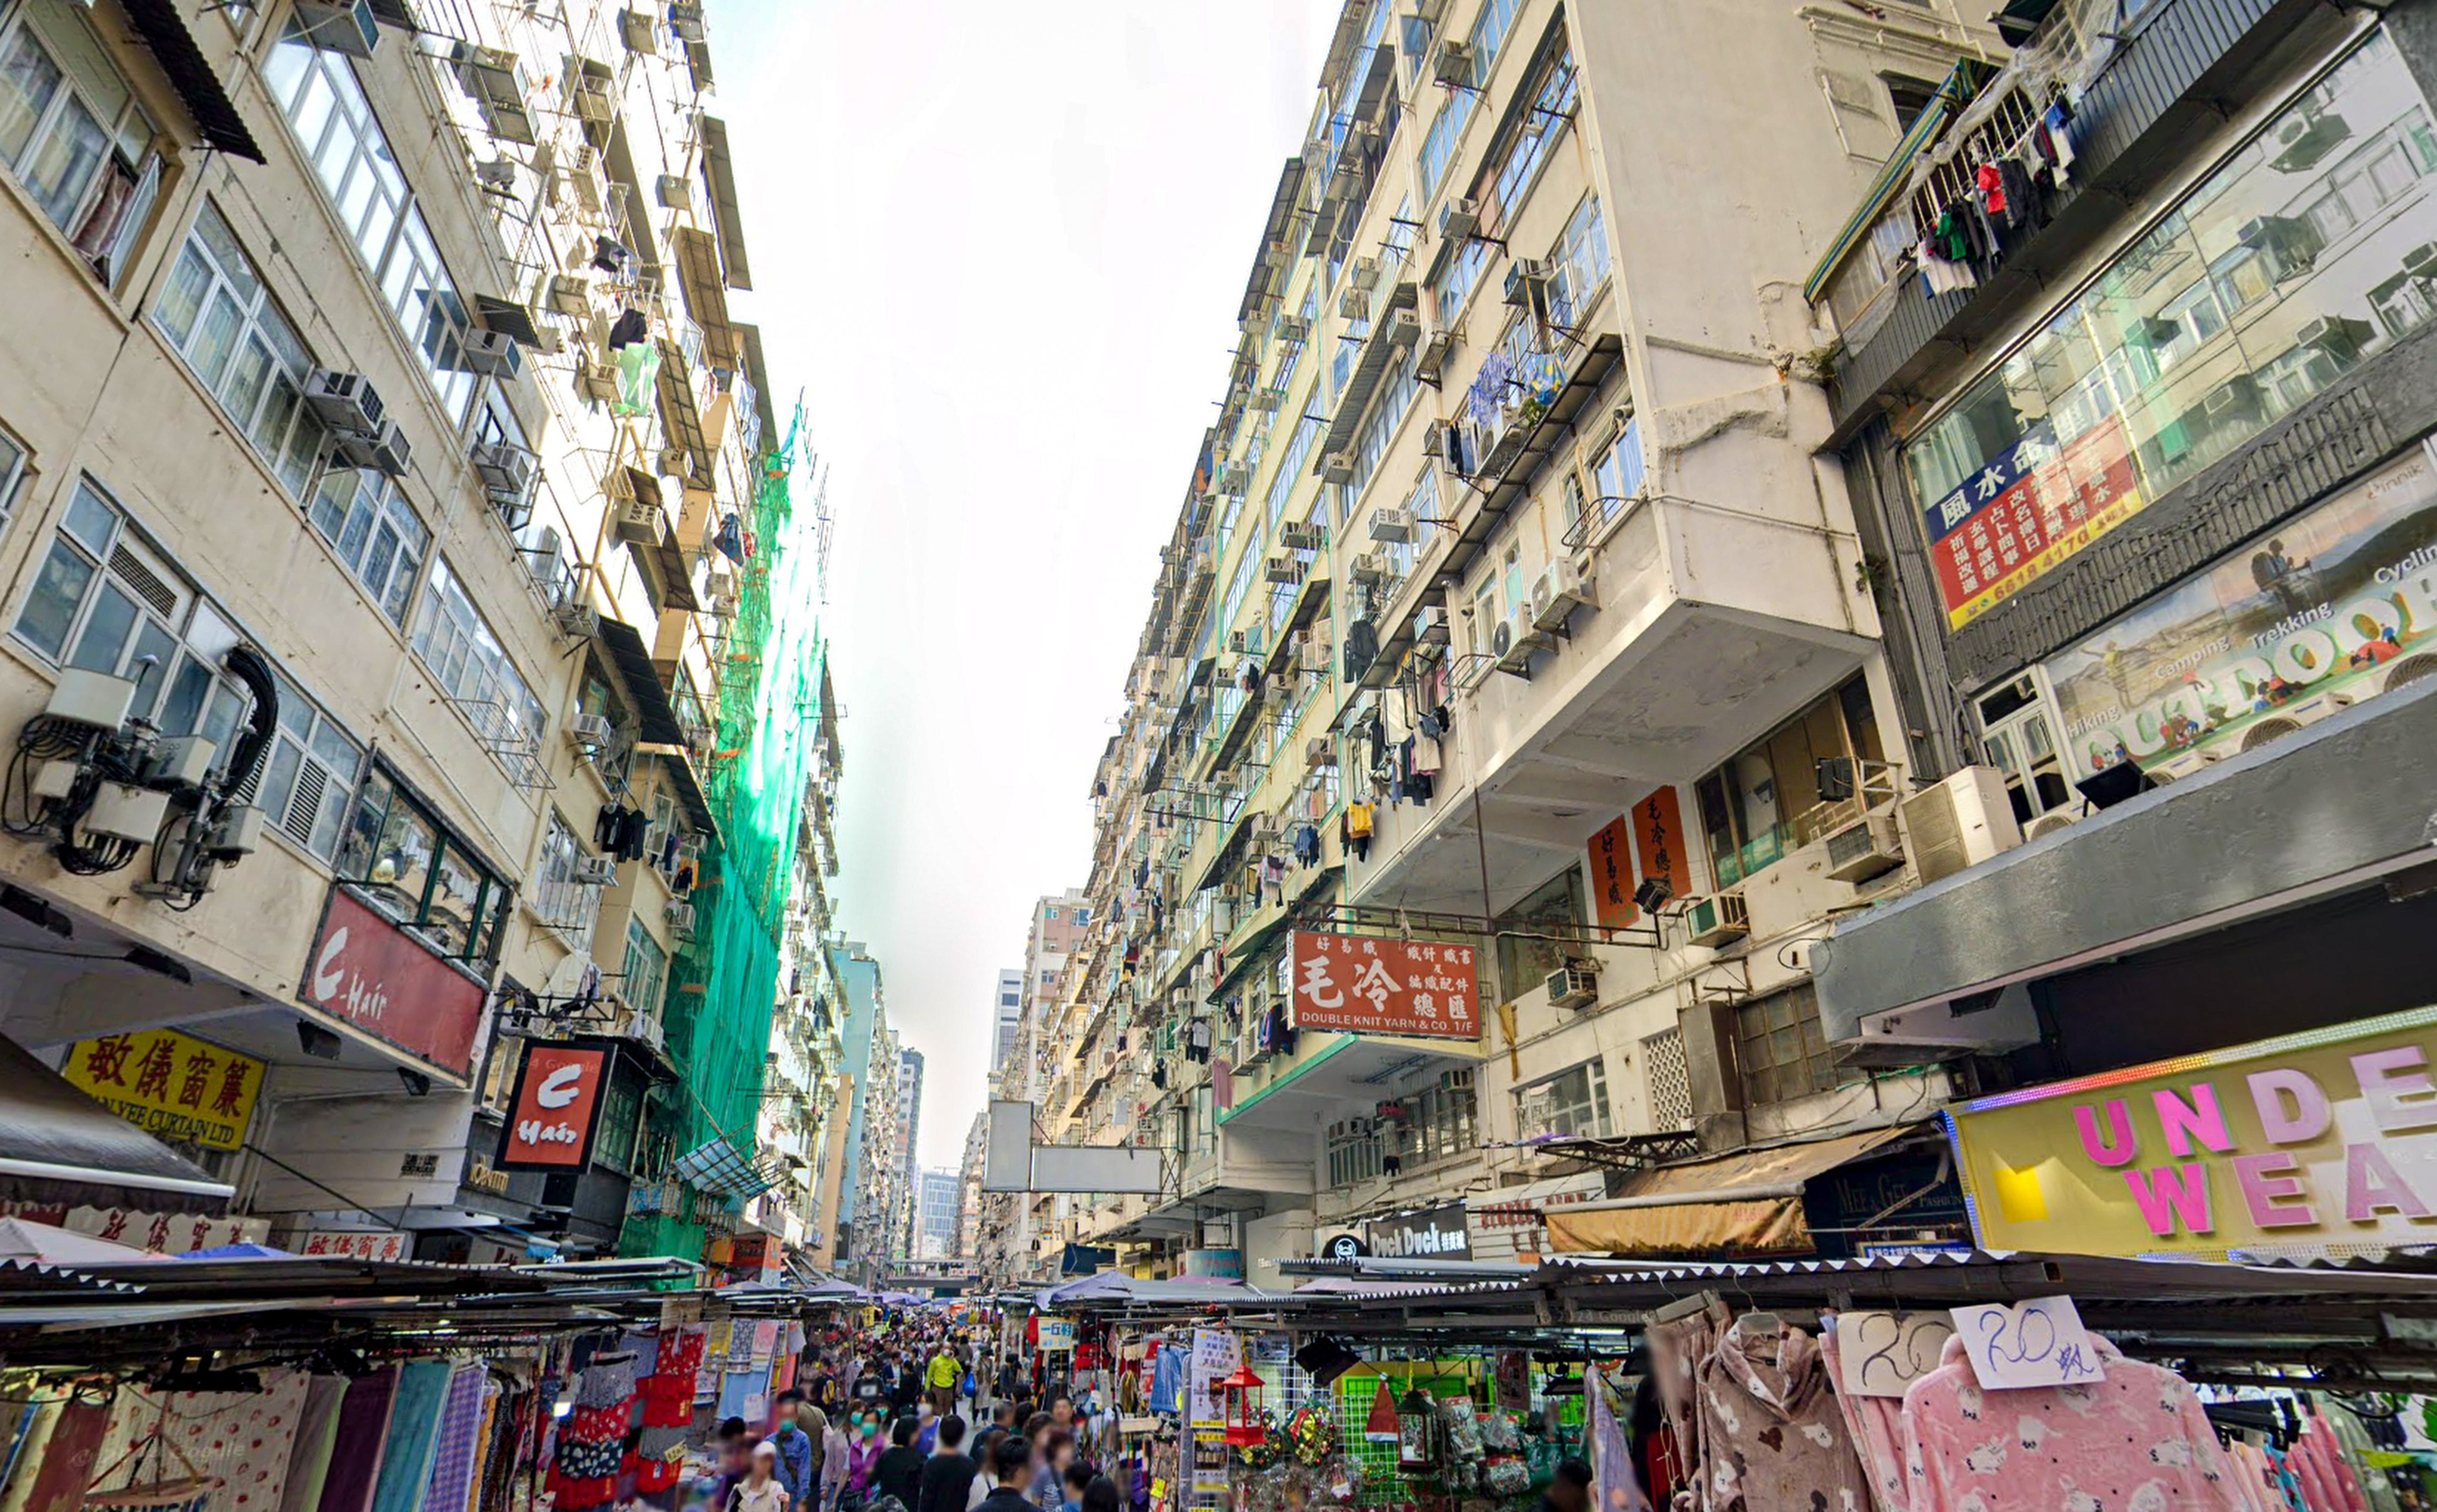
594 101
1963 821
506 469
1527 285
1368 566
1337 467
1718 919
634 29
347 26
1513 641
1320 751
1575 984
497 174
1293 328
1429 357
1458 218
639 521
1364 272
1393 526
597 377
1234 480
582 621
595 871
1430 626
2301 141
1557 593
1236 643
2049 824
570 294
2338 336
673 462
1452 65
492 354
679 914
590 731
1870 848
674 191
383 451
1315 653
346 402
1354 302
1304 537
1285 568
1267 400
1276 693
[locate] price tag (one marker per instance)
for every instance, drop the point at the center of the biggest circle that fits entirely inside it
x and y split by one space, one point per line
2038 1343
1881 1353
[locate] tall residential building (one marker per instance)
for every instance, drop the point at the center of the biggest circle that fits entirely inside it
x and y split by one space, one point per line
969 1186
370 604
1007 1013
1511 631
939 1201
909 1134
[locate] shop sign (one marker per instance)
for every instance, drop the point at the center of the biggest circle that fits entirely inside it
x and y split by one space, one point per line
1612 880
160 1233
1438 1231
557 1103
1647 841
1344 1247
167 1083
2312 1144
1373 986
1519 1217
1057 1333
2033 506
1216 1353
1219 1264
2332 606
385 982
355 1245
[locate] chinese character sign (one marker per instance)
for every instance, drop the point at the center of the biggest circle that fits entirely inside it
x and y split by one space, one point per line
551 1119
355 1245
169 1084
1612 875
2031 506
1369 986
1658 834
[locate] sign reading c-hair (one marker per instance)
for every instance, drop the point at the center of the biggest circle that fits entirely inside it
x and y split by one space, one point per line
551 1118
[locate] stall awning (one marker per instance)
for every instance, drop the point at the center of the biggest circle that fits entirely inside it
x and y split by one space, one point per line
59 1145
1747 1203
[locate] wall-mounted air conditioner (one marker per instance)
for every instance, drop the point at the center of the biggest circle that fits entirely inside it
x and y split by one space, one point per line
1721 918
1575 984
1963 821
346 402
596 104
1285 568
1452 65
595 871
1861 851
384 450
674 191
1429 360
639 521
492 354
1513 641
1395 526
1557 593
591 732
347 26
570 294
1364 272
1458 218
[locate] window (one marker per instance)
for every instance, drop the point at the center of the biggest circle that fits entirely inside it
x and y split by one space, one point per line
1353 1152
1525 964
1910 99
647 971
415 869
2253 295
1050 913
1292 465
365 516
1766 801
334 124
1573 1101
567 905
72 135
1082 918
308 773
103 601
621 1122
12 474
1581 259
473 668
1439 1121
219 315
1780 1048
2019 738
1393 401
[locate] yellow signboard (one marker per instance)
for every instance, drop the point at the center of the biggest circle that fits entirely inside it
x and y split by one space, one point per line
2322 1142
169 1084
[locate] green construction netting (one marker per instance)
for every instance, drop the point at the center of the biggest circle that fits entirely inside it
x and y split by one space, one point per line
724 985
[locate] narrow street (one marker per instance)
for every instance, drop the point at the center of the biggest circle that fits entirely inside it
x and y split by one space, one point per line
1755 839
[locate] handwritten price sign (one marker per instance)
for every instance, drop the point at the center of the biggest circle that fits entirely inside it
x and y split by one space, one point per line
1882 1353
2038 1343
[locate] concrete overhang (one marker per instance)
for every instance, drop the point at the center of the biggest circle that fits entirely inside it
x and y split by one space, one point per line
2330 808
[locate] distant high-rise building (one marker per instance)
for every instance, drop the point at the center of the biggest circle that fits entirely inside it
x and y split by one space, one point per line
1009 1013
935 1226
909 1120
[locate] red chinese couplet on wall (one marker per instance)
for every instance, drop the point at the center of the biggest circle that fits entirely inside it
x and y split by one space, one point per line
558 1097
1612 875
375 975
1370 986
1658 835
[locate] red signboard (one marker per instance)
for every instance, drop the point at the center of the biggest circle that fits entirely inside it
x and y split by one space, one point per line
368 971
1370 986
2034 505
1612 875
558 1094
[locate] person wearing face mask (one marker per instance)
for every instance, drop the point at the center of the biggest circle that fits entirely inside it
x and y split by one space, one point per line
863 1449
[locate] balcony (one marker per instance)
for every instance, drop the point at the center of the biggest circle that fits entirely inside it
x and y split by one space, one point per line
2144 87
1703 624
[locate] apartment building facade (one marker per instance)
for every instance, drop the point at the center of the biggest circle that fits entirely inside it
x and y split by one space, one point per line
2156 522
1511 615
370 423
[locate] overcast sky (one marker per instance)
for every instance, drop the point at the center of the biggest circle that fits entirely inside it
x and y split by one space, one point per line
999 249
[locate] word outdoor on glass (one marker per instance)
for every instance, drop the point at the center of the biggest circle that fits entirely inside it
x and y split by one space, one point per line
1371 986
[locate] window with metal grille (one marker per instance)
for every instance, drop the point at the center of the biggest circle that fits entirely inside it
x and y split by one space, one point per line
1666 1080
1780 1048
1573 1101
218 314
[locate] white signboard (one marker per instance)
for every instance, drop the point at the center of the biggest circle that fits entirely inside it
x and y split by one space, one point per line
1217 1355
1879 1354
2037 1342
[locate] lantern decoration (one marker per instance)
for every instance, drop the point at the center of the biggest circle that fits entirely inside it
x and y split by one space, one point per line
1381 1427
1240 1408
1416 1444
